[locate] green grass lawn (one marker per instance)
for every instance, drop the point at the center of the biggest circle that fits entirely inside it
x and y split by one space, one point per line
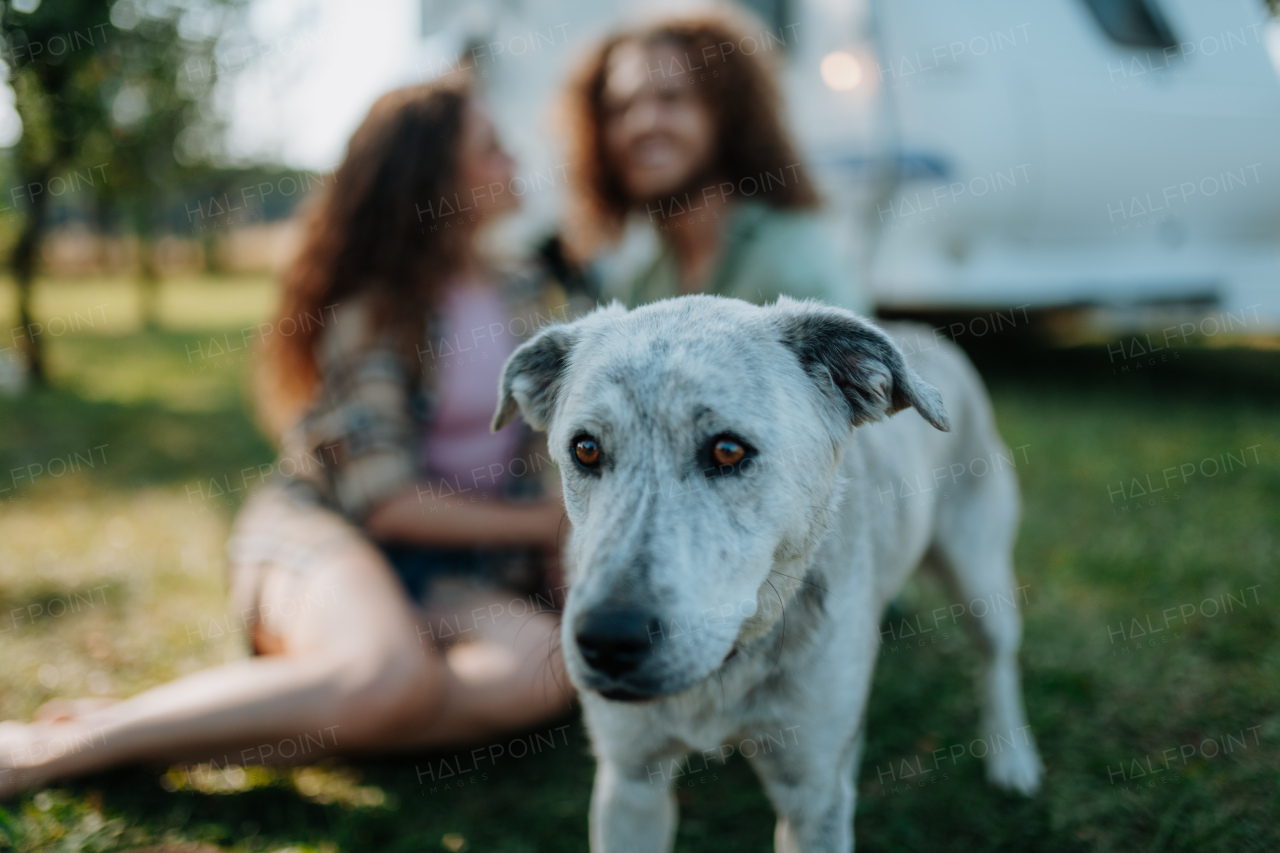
115 567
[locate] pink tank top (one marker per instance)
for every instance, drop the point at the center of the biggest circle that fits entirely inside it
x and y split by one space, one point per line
458 450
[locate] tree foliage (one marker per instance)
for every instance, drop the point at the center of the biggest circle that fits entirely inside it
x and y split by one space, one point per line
121 91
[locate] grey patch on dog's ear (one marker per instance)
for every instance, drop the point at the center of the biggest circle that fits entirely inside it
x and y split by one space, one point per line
866 367
531 378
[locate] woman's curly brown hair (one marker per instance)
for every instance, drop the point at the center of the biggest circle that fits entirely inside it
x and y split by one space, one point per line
366 237
742 96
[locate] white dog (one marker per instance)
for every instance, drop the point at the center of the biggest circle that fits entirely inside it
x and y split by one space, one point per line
733 550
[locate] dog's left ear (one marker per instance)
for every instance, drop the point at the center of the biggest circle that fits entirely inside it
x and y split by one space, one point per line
531 377
857 362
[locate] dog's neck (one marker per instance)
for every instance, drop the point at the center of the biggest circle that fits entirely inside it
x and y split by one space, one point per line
789 584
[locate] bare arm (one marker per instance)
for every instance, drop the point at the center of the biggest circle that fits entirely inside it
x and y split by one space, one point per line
420 518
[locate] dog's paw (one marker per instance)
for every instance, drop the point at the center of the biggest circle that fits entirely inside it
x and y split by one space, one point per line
1016 769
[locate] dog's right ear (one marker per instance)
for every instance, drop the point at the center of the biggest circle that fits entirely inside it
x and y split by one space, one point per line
531 377
856 363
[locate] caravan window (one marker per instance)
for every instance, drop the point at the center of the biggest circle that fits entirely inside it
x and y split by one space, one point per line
776 14
1134 23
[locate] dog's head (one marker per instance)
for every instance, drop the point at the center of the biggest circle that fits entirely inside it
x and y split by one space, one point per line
698 440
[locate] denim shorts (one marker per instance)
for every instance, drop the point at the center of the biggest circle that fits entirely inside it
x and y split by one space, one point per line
419 567
279 530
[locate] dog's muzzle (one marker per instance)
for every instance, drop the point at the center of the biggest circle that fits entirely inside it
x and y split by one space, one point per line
615 643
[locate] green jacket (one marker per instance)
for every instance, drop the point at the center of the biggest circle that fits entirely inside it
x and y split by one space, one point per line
767 253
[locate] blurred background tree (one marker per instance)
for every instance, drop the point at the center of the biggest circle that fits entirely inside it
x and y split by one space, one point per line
116 99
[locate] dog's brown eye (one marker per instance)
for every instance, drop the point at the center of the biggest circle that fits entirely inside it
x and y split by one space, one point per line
587 451
727 452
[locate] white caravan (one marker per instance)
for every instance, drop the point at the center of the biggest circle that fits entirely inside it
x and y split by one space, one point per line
985 154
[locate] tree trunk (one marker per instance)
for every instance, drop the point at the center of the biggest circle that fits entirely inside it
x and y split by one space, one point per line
148 283
212 261
23 264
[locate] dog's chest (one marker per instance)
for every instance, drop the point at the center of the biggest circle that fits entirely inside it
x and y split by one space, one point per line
747 696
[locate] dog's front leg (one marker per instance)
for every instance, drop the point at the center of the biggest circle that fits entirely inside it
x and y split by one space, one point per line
815 821
812 790
630 813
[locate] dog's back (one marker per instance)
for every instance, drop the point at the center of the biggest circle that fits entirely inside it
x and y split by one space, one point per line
915 479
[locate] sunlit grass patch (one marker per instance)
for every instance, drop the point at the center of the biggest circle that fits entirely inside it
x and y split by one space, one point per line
115 571
106 596
112 304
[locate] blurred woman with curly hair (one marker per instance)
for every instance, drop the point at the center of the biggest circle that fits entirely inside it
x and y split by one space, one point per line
381 576
680 123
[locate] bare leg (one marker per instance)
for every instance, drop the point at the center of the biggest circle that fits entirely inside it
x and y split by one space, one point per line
351 674
505 669
61 710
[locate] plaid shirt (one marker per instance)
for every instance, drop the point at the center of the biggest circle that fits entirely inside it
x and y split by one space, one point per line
360 442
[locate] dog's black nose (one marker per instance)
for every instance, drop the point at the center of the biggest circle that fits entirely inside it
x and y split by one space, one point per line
616 642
